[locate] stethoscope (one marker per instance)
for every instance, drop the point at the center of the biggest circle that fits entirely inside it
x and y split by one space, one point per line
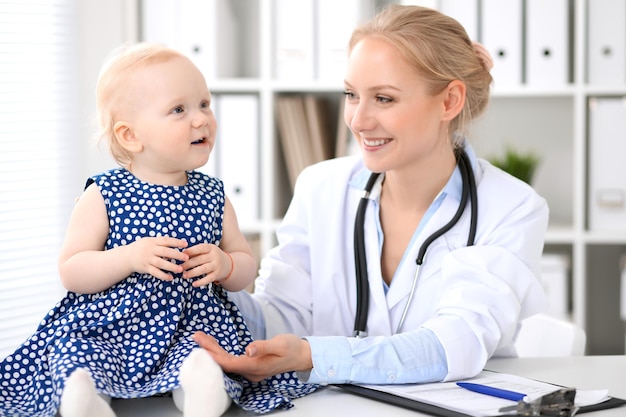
362 287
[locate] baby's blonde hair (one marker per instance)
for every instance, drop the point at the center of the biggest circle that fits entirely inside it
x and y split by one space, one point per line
112 91
439 49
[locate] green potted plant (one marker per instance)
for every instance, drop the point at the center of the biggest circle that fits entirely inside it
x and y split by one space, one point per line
519 164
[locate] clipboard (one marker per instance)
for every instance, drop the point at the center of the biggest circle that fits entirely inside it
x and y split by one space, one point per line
437 411
401 401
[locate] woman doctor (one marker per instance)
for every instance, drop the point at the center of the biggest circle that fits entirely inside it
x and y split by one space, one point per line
413 83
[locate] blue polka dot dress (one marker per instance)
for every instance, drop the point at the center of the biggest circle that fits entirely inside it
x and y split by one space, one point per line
134 336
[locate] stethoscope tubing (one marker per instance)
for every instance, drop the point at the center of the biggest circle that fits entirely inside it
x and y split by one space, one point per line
362 286
468 192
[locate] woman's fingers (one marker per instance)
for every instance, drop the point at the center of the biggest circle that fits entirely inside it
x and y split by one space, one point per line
207 342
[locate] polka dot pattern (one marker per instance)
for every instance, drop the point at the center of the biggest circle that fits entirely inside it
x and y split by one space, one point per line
134 336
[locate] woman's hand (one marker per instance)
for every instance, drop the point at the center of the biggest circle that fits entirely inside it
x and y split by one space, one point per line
263 358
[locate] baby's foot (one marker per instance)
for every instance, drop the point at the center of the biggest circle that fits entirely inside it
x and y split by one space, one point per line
80 398
202 382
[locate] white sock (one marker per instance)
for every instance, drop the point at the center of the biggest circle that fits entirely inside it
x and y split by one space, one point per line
80 398
202 383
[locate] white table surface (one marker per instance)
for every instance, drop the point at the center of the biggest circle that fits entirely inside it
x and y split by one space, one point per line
584 372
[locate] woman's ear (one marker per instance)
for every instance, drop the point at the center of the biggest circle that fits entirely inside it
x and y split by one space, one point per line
453 100
125 136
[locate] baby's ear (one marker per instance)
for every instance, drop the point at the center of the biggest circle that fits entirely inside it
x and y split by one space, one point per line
125 135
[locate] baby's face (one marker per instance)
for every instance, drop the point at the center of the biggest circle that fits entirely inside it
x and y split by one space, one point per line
171 116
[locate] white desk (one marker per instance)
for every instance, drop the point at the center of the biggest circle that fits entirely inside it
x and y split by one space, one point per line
585 372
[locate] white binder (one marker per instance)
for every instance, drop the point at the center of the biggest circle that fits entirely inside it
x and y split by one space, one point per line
335 22
501 27
547 42
554 278
160 22
424 3
294 46
198 40
210 168
606 59
237 153
205 31
465 11
607 171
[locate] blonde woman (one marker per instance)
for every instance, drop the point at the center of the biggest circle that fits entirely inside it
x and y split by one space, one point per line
413 84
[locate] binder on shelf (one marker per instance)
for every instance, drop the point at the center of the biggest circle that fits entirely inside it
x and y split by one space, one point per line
554 278
237 152
424 3
345 143
334 24
343 132
205 31
465 11
210 168
547 42
317 115
160 22
294 134
607 172
294 44
501 29
305 131
606 52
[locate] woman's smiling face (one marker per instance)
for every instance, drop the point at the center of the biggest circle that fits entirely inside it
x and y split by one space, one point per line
392 114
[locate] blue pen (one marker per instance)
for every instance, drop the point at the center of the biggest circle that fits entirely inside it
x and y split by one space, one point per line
494 392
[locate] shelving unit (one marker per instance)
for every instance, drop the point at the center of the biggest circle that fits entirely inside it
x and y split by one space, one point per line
551 120
554 121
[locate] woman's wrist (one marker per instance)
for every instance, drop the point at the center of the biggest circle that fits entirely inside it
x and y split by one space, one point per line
306 358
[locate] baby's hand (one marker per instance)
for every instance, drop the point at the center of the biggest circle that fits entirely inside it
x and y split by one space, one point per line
207 261
157 256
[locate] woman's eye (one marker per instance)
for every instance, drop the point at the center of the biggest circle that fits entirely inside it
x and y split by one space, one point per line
349 95
383 100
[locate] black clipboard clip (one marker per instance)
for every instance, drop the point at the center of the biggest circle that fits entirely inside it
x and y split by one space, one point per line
556 404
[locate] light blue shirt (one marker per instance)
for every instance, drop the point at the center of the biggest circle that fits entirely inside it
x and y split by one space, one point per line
411 357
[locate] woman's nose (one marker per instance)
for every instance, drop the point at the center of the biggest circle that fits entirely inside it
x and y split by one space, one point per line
359 117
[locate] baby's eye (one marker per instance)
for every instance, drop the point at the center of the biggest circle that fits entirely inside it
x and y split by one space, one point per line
178 109
205 104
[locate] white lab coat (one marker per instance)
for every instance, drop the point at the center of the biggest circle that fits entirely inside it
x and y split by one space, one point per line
472 298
